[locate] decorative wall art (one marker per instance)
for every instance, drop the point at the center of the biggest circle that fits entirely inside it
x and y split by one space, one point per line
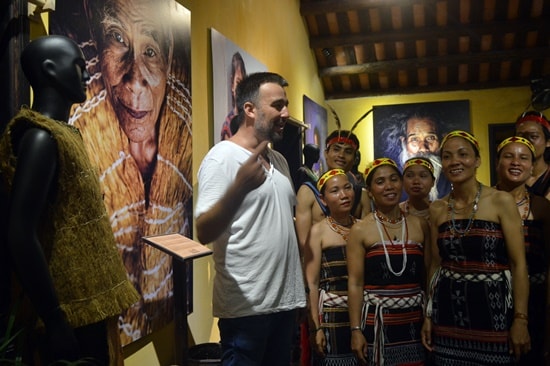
136 124
230 64
315 117
403 131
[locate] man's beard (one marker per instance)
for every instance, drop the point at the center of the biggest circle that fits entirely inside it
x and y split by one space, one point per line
266 131
434 159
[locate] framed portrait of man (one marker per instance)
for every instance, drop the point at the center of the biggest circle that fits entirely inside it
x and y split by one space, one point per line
403 131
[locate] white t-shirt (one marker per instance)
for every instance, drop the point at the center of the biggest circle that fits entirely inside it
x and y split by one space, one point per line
256 258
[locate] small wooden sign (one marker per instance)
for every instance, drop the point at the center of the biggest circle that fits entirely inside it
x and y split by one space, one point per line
178 246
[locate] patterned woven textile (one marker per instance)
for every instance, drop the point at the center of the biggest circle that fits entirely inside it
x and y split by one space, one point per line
472 302
537 259
394 305
333 284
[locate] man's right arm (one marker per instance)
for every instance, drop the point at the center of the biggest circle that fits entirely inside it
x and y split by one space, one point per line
211 224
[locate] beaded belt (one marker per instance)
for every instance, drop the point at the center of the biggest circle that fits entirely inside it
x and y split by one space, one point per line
504 275
474 277
384 302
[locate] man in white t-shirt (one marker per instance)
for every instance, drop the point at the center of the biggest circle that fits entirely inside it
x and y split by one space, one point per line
245 208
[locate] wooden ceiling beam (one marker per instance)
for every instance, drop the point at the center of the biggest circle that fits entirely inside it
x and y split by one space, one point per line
426 89
335 6
436 61
471 30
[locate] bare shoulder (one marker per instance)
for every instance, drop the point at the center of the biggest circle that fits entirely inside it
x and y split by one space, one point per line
417 221
318 228
366 230
497 206
439 204
361 226
499 199
417 227
305 195
438 211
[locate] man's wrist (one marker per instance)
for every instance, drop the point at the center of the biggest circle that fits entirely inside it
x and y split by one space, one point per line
315 330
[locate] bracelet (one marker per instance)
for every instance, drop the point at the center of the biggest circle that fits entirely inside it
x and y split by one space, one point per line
355 328
315 330
521 316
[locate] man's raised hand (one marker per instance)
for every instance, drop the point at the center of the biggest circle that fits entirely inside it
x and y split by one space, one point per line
253 172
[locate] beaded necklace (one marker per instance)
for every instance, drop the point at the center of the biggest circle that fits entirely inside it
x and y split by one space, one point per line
425 213
342 230
451 213
404 240
382 218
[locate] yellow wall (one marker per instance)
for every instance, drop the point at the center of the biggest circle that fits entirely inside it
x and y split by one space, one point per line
486 107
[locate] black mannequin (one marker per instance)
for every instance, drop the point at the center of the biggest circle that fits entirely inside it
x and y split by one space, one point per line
51 64
55 68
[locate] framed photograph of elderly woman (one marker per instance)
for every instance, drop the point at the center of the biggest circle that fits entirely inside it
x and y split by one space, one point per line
137 127
403 131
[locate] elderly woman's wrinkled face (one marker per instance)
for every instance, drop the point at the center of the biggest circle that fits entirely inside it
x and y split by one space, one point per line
135 65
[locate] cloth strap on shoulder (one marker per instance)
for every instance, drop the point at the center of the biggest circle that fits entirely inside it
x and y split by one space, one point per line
317 195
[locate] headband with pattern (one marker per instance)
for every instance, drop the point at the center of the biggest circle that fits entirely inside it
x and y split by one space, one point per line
329 174
538 119
342 140
464 135
518 139
378 162
417 161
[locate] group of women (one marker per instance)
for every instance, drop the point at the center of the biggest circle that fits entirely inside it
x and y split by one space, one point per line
457 281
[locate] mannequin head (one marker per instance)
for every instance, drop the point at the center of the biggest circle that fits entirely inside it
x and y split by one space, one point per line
55 64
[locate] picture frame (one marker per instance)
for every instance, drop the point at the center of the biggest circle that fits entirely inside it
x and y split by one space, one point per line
404 131
315 117
226 54
156 197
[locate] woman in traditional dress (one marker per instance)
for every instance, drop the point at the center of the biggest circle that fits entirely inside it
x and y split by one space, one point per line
534 126
515 164
386 273
477 258
326 272
418 180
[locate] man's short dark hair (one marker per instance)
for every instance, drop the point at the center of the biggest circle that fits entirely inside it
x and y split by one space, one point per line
248 89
